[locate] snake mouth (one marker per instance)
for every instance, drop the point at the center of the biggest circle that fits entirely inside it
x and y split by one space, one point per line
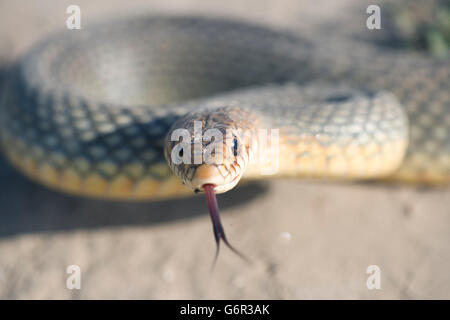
211 175
219 189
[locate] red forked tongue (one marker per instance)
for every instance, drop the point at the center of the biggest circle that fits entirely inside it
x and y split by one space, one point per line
219 233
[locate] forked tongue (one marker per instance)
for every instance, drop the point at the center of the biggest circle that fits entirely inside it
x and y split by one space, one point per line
219 233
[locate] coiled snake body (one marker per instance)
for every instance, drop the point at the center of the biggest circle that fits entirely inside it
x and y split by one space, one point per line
89 111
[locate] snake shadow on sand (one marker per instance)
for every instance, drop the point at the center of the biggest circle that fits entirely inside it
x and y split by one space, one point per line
26 207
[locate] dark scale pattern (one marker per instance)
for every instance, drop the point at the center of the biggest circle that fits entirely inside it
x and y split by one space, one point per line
75 132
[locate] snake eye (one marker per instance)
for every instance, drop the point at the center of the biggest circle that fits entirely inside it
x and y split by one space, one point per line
234 147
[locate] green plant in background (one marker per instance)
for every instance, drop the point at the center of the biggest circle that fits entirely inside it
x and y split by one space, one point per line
422 25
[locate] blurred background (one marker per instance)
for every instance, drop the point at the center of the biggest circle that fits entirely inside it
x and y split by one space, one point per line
307 239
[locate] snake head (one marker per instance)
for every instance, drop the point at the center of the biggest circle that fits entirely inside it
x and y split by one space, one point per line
211 147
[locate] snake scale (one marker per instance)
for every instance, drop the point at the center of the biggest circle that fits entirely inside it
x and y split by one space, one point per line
90 112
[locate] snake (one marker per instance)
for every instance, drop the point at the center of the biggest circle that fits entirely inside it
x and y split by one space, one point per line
98 111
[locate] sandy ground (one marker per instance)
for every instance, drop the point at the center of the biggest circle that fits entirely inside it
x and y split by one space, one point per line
306 240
